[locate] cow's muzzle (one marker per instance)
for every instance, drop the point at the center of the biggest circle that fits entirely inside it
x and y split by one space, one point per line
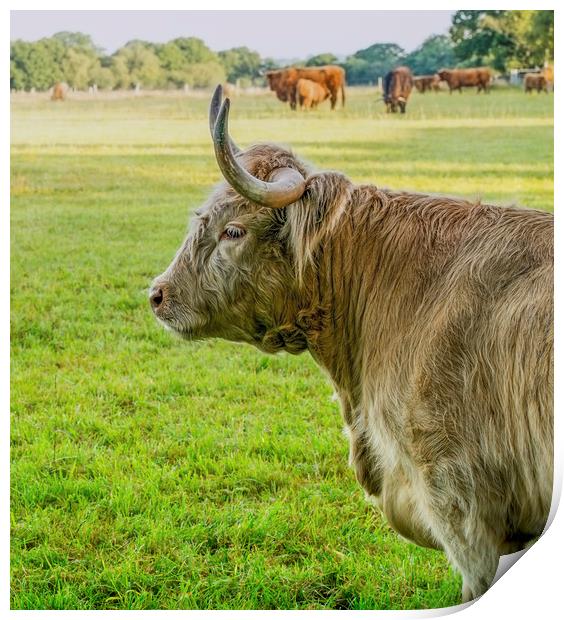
158 296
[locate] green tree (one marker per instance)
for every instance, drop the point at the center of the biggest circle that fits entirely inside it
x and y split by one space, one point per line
359 71
17 75
189 61
389 54
78 67
136 64
194 50
503 39
77 40
36 65
479 40
322 59
532 34
172 62
541 35
203 74
268 64
240 62
433 54
19 59
366 65
66 56
102 77
141 43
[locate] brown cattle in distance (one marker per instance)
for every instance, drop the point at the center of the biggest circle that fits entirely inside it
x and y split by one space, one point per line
310 94
397 88
58 92
281 82
433 317
457 78
423 83
284 82
535 81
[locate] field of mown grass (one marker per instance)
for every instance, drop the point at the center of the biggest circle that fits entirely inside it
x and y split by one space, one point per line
148 472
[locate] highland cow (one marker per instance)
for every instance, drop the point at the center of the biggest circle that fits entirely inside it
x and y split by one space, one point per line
535 81
457 78
397 88
432 316
284 82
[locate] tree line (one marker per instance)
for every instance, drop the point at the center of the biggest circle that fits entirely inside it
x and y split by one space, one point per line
499 39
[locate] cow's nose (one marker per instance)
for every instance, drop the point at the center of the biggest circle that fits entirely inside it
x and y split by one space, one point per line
156 297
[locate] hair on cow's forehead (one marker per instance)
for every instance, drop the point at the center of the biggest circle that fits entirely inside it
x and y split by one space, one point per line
224 203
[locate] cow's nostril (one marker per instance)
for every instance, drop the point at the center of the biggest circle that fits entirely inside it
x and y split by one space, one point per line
156 297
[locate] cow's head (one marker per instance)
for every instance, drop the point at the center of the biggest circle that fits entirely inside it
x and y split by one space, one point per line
277 83
273 78
443 74
238 273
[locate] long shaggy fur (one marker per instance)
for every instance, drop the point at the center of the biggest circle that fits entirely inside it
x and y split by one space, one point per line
433 318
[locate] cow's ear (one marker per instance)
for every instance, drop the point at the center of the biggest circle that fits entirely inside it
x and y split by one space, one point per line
325 194
316 214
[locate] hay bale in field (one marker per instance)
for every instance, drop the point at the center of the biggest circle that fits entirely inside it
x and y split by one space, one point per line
59 92
230 90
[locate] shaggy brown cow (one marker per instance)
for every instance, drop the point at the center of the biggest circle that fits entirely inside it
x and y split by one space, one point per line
397 88
281 82
457 78
284 82
58 92
433 317
535 81
423 83
310 94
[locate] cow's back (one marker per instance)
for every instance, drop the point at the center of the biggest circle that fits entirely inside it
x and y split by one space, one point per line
455 300
401 83
483 366
331 76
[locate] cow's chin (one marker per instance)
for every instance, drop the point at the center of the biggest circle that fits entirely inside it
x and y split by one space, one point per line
202 329
186 331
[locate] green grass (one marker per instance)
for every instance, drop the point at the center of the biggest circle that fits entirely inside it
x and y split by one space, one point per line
152 473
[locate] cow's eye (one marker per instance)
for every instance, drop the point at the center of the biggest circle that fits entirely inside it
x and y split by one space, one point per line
233 232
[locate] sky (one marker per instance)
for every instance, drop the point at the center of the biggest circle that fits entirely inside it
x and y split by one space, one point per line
276 34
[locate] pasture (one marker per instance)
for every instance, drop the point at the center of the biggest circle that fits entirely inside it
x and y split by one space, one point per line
148 472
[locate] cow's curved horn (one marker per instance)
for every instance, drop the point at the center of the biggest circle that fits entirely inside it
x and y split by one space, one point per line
286 185
215 106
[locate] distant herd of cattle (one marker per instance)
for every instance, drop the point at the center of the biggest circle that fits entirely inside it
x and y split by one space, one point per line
308 86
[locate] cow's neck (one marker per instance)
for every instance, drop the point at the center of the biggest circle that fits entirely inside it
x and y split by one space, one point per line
367 288
336 343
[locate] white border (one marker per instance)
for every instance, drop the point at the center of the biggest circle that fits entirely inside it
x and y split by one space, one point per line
532 587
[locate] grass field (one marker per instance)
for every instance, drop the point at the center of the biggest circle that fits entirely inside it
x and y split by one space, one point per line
148 472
